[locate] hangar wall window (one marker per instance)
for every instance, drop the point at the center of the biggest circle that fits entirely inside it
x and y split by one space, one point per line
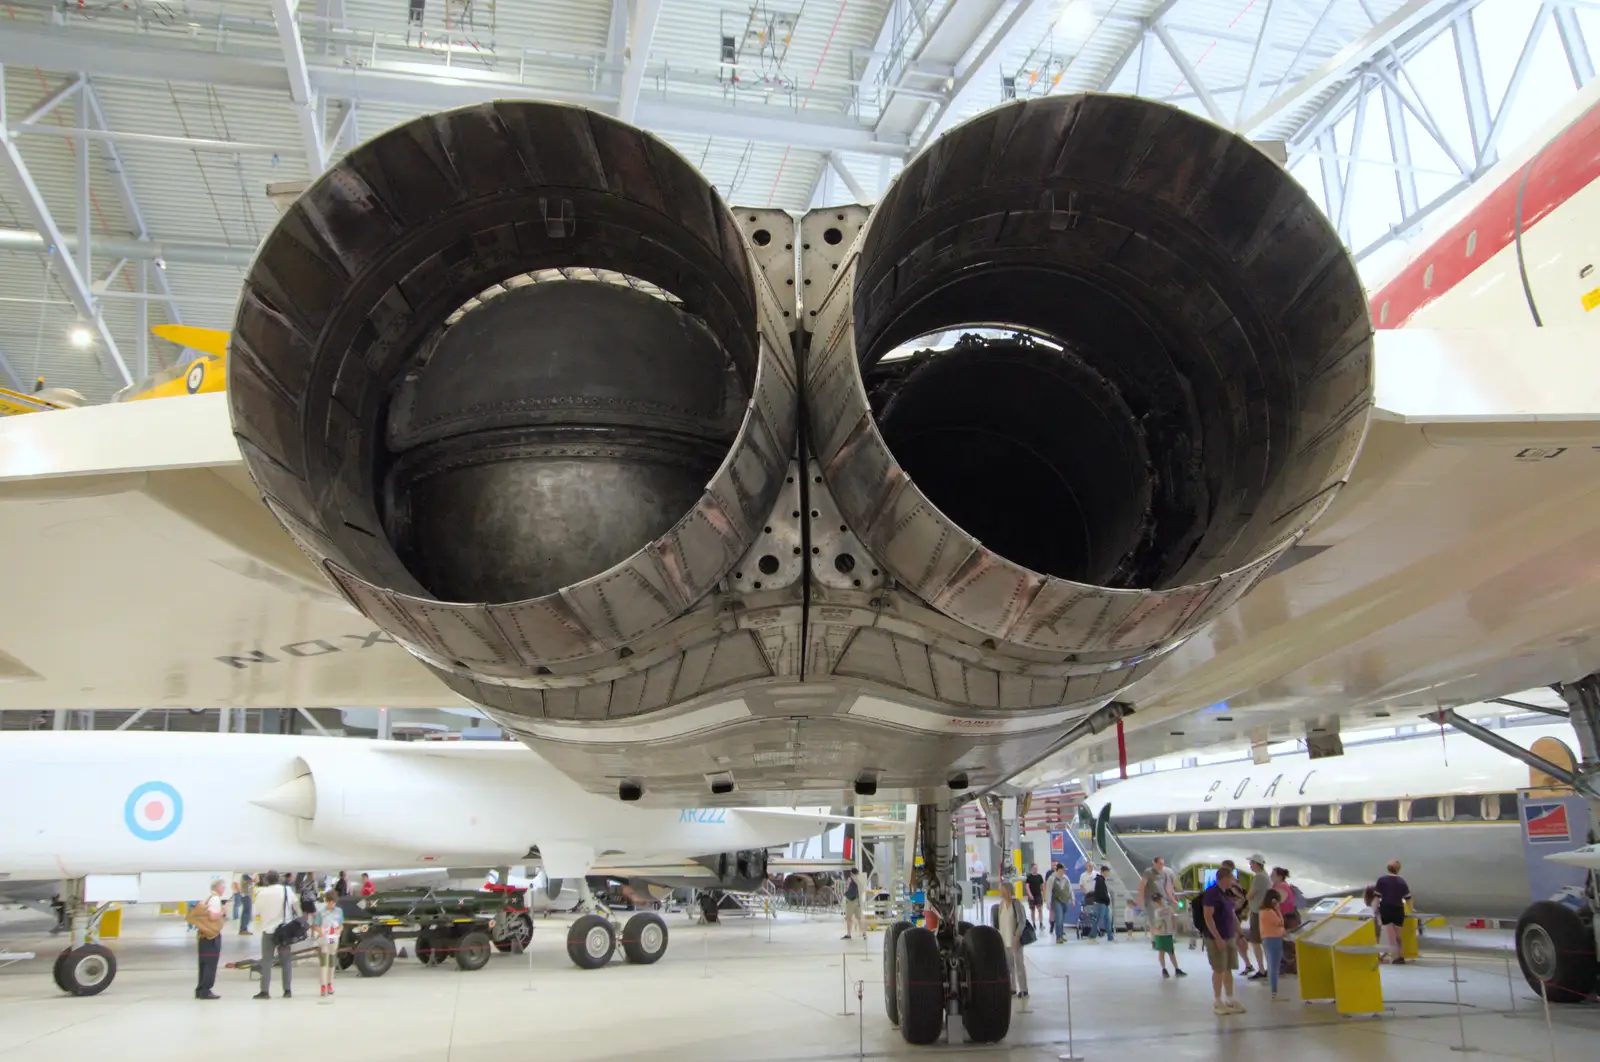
1424 809
1353 813
1468 809
1385 812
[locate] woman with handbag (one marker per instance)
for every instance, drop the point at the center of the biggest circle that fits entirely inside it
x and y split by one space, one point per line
1017 932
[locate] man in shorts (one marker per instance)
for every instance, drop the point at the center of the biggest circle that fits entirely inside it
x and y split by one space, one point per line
1260 882
1222 925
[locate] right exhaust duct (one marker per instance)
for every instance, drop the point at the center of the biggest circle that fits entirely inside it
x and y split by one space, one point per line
1093 364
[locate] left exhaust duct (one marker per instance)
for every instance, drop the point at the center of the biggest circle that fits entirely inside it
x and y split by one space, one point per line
509 374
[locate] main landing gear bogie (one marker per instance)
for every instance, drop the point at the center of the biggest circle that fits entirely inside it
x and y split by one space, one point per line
924 971
592 940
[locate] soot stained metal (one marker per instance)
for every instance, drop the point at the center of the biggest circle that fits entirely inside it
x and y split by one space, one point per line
530 393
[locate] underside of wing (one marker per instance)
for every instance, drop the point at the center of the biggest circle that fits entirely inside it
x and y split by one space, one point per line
1457 564
144 571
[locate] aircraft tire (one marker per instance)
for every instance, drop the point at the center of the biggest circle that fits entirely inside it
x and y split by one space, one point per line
86 970
919 985
986 1010
1556 950
374 955
473 950
644 938
891 999
518 934
590 942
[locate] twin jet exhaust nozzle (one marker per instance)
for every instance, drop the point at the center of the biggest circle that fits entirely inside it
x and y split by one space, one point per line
526 388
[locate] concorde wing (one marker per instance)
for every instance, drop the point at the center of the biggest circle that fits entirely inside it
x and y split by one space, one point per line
1461 562
142 570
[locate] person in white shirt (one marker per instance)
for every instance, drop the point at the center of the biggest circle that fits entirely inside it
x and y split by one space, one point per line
277 904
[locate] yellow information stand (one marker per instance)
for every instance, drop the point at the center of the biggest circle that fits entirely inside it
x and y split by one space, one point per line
1338 960
1411 932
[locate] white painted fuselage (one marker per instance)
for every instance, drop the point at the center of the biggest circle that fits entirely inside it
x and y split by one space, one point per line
128 803
1446 807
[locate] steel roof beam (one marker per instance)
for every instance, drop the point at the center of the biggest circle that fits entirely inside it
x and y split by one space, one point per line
307 111
1139 43
1264 41
1518 73
946 114
959 27
1579 60
12 379
426 88
1190 75
130 202
641 31
75 283
150 250
52 101
848 178
1405 19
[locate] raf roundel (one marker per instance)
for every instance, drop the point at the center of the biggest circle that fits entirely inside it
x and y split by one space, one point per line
154 811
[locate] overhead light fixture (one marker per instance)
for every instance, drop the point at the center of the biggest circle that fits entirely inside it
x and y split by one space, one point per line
1077 20
80 337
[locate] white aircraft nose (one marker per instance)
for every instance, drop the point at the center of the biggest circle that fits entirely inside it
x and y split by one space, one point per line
1587 857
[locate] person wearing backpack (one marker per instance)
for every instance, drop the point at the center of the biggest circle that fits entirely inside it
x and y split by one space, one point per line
281 929
208 917
853 918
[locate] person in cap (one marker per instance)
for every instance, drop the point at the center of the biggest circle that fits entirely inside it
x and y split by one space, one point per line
1260 883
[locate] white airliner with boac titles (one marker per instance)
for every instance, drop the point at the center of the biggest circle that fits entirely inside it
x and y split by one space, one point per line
1446 806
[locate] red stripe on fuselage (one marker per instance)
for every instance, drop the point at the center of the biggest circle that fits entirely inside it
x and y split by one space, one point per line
1563 168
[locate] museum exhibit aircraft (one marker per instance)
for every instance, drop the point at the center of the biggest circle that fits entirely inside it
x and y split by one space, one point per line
148 817
710 505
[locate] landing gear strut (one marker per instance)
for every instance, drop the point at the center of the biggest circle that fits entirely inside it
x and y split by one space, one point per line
1558 943
949 967
593 938
86 967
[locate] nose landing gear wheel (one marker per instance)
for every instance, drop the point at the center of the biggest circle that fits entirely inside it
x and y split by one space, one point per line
1556 949
644 938
919 985
986 1009
590 942
86 970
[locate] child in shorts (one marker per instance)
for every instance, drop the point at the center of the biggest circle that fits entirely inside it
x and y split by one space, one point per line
330 925
1162 925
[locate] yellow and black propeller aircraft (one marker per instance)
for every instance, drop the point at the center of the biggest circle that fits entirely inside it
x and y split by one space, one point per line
206 373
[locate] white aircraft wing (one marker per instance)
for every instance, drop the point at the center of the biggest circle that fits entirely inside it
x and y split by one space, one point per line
142 570
1459 563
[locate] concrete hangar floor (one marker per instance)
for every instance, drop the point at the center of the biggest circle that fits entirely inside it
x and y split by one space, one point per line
728 993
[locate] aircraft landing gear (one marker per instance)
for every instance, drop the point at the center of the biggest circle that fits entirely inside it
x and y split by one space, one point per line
1558 944
593 938
86 967
952 968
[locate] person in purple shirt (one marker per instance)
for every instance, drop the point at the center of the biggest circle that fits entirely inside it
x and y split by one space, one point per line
1221 926
1393 892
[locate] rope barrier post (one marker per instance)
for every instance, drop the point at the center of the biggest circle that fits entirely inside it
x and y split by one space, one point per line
1549 1030
1461 1022
772 916
844 982
1072 1053
705 939
861 1023
1511 990
1455 972
528 951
